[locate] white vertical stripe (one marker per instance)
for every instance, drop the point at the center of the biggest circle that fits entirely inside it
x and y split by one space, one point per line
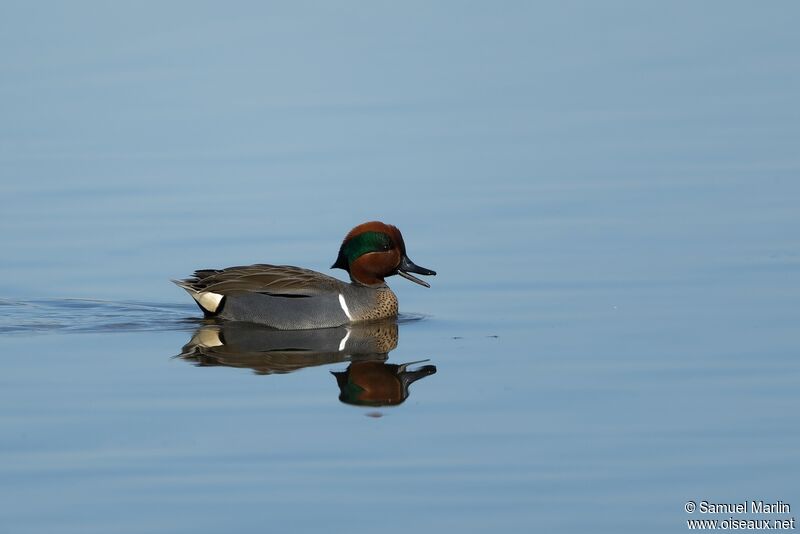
343 304
343 342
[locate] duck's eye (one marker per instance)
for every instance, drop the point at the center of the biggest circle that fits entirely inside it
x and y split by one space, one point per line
386 246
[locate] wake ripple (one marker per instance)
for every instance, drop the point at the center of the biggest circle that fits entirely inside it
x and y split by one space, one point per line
64 315
49 315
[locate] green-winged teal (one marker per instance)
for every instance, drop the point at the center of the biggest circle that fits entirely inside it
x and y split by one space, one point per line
292 298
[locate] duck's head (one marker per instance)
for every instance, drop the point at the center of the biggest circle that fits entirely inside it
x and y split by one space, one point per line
375 383
374 250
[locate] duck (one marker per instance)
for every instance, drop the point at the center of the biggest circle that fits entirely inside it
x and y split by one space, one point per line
293 298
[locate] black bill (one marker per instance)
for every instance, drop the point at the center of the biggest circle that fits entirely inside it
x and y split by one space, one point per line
407 266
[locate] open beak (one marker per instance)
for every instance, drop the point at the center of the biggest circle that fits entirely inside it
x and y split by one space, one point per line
407 266
409 376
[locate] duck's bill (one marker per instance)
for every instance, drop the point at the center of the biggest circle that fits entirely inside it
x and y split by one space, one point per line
408 377
407 266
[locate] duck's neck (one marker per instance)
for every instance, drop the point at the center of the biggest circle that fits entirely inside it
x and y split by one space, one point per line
361 276
375 283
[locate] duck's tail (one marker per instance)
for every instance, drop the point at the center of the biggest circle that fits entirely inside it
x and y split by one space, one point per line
210 303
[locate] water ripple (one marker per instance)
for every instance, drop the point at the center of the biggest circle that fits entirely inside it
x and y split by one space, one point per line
64 315
51 315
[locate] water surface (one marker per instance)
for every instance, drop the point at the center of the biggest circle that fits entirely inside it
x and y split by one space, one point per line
607 192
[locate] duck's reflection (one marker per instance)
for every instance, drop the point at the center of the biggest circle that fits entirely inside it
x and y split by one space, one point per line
367 381
378 384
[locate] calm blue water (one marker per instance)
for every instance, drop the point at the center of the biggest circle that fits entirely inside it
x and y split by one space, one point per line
608 192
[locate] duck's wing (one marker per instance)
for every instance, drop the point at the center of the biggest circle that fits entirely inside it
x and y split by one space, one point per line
276 280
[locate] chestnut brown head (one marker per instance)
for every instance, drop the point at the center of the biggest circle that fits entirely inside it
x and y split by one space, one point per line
372 251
